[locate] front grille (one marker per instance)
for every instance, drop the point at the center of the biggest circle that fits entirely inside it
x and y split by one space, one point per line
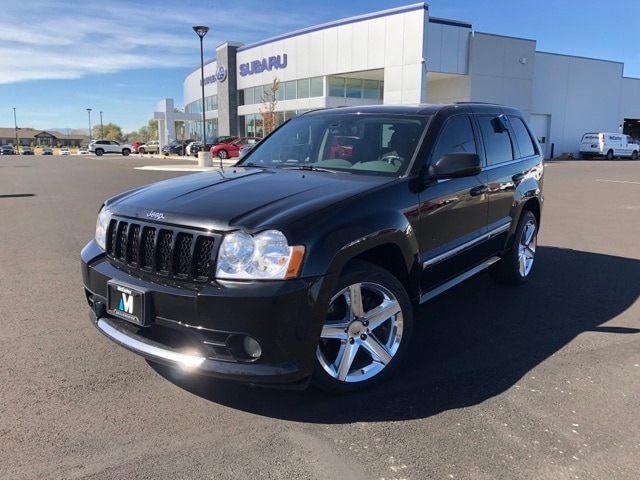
165 251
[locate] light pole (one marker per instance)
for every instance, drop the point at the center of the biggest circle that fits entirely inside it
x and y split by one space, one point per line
15 122
101 133
89 112
201 31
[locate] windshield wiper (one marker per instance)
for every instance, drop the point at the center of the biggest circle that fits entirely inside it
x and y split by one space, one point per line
311 168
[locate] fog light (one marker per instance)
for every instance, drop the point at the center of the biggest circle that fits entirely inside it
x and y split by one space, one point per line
251 347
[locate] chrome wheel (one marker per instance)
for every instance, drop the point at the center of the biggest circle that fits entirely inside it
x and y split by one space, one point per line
517 261
527 248
362 332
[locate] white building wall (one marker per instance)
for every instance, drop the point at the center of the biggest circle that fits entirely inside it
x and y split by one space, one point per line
449 89
394 41
192 90
447 47
630 98
579 95
566 96
501 70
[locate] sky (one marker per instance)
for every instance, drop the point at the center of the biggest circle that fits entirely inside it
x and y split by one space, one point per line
121 57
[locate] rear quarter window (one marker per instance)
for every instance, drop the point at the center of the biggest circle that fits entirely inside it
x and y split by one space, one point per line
523 137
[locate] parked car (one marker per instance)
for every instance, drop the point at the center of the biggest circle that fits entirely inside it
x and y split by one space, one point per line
26 151
7 150
47 151
608 145
150 147
176 147
193 148
136 146
100 147
231 149
342 146
65 151
243 150
83 151
295 267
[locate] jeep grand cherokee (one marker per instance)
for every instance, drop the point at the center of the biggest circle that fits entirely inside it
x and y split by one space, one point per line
299 264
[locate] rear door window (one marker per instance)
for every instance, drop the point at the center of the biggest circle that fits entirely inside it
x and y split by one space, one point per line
497 141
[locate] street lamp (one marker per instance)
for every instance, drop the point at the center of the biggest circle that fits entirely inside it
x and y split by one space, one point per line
101 133
89 112
15 122
201 31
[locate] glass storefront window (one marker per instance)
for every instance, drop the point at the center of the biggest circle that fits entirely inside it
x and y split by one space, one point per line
303 88
317 87
289 90
354 88
336 87
371 89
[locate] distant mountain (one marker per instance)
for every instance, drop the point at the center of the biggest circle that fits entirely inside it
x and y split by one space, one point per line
67 130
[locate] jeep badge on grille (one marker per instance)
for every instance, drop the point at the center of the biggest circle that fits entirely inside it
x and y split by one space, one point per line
155 215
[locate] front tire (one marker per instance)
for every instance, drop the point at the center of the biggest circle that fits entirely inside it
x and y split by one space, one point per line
634 155
516 264
223 154
366 331
141 151
126 152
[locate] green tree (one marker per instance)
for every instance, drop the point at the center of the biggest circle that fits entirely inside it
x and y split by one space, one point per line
110 131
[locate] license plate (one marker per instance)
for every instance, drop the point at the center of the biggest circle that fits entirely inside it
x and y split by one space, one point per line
127 303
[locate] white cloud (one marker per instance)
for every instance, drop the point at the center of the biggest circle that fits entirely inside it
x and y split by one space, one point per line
68 40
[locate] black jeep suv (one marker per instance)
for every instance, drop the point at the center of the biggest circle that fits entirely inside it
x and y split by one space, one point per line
305 261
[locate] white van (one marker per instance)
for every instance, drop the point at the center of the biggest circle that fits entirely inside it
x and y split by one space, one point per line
608 145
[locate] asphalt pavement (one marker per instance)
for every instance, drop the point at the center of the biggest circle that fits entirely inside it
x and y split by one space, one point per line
538 382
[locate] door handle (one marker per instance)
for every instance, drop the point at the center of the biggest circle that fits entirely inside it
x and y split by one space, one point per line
517 178
479 190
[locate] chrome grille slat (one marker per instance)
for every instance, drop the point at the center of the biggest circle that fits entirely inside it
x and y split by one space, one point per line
160 250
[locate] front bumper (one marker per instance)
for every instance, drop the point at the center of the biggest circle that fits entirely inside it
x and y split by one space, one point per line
200 328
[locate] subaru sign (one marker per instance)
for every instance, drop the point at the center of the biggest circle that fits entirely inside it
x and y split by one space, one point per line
219 76
264 65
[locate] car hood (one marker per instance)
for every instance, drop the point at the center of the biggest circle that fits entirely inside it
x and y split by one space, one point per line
251 198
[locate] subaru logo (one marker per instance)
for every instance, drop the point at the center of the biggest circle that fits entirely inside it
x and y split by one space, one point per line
155 215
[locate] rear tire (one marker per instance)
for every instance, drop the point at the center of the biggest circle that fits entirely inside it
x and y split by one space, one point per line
366 331
99 152
141 151
634 155
223 154
610 155
517 262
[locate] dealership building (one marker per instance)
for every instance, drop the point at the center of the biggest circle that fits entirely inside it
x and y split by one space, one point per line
403 56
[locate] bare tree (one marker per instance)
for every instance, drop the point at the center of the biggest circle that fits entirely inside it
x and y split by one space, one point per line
269 103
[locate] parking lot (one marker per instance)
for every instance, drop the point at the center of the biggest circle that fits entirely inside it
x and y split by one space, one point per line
533 382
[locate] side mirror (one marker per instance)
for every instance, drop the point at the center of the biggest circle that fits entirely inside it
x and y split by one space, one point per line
454 165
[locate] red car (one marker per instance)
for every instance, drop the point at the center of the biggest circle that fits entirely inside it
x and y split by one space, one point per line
226 150
136 146
341 147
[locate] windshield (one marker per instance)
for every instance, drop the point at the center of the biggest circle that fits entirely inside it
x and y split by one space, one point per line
380 144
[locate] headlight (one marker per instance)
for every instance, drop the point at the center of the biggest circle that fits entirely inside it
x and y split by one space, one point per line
102 225
266 255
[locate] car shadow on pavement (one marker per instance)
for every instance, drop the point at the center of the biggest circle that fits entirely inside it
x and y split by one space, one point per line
470 344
